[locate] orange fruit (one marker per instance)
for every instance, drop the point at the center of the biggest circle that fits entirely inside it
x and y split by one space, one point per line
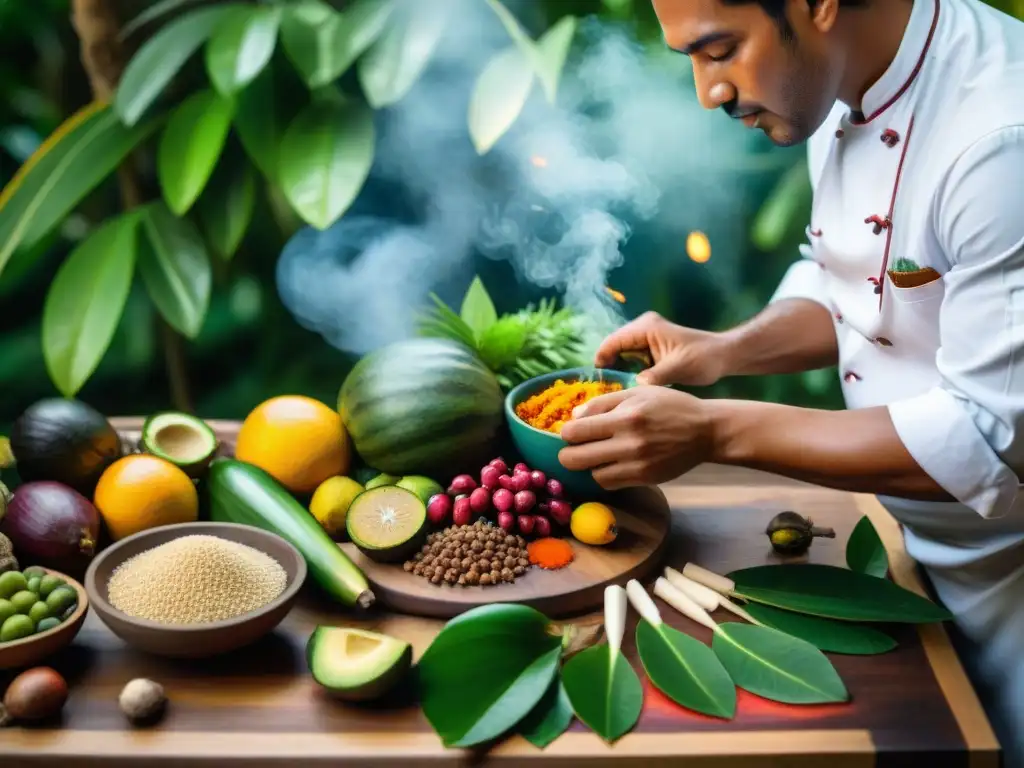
297 440
139 492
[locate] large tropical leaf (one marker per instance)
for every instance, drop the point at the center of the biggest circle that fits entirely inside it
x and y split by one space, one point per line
72 162
190 147
225 210
498 97
397 59
824 634
550 718
175 268
241 47
85 301
605 692
325 157
162 57
865 551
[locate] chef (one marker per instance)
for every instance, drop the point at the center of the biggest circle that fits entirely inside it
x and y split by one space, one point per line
911 281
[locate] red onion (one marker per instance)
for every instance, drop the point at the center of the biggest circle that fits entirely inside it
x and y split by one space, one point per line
52 525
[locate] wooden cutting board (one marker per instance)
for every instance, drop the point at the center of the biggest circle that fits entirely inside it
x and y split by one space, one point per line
643 519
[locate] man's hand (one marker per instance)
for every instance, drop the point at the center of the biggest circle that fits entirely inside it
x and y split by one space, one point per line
681 355
638 436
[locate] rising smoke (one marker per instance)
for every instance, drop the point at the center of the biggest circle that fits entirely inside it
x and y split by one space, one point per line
558 197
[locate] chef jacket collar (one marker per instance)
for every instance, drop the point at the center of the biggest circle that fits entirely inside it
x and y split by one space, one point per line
894 82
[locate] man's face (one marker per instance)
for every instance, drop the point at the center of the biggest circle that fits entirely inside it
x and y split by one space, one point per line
743 64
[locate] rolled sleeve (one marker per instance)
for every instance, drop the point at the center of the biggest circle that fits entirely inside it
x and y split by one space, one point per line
803 280
967 432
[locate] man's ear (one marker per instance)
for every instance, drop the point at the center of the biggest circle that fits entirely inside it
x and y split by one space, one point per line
823 14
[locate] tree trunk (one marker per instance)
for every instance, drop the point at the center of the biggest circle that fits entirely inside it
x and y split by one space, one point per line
97 25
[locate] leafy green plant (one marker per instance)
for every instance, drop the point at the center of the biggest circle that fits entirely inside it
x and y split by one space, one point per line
518 346
195 146
865 551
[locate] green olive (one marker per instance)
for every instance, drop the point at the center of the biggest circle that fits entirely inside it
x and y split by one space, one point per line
16 627
47 624
33 584
6 610
61 599
12 582
34 570
24 600
39 611
48 584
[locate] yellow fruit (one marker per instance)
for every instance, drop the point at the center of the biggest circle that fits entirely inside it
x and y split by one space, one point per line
297 440
140 492
593 523
331 501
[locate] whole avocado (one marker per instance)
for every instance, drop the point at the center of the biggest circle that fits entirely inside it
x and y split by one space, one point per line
66 441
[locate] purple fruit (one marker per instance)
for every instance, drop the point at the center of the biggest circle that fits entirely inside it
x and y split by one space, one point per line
462 484
489 477
520 467
462 513
525 524
544 507
525 501
541 526
503 500
506 521
499 464
480 500
522 481
507 482
561 512
438 508
538 480
555 489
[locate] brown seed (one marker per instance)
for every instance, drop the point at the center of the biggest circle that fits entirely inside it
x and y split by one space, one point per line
466 562
485 579
485 564
495 576
510 562
507 574
462 579
477 546
525 562
407 566
519 570
436 578
438 571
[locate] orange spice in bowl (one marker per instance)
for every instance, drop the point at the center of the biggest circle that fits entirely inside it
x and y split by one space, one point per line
550 553
551 408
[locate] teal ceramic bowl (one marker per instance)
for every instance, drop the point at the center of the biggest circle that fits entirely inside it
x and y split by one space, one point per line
539 449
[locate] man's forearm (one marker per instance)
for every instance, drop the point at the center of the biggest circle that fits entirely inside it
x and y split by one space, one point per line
857 450
790 336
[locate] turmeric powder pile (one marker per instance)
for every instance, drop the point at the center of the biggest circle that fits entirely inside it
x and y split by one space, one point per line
550 553
550 409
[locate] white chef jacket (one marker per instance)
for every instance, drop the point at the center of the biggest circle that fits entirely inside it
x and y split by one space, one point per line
932 170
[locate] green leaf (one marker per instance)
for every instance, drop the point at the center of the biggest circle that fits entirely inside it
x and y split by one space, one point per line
325 157
515 30
777 666
241 48
824 634
226 207
259 123
485 671
477 308
501 344
685 670
190 147
72 162
604 690
152 13
85 302
835 593
785 208
392 66
499 95
162 57
175 269
550 718
865 551
552 51
445 323
322 43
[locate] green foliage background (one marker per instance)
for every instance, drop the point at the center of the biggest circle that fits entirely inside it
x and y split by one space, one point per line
250 347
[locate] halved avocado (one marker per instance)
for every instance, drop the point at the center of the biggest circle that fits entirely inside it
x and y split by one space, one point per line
357 665
180 438
387 523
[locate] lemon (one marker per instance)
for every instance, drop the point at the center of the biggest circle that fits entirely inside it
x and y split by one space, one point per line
331 501
593 523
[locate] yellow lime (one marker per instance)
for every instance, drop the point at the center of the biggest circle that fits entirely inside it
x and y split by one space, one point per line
331 501
593 523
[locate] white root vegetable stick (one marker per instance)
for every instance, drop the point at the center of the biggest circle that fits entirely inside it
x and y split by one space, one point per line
614 616
678 600
721 584
705 597
642 602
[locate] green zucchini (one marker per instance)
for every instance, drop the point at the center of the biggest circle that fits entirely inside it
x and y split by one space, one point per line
245 494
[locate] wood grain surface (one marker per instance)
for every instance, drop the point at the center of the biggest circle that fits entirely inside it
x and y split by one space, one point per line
258 706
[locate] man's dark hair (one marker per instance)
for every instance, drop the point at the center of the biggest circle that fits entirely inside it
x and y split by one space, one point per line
776 9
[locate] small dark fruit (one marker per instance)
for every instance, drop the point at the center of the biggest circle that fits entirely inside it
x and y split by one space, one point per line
525 501
508 482
439 507
480 501
544 507
499 464
462 484
463 512
541 525
503 500
506 521
555 489
489 477
525 524
520 467
538 480
561 512
792 534
520 482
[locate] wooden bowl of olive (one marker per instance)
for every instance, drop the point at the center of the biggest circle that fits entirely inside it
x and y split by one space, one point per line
41 611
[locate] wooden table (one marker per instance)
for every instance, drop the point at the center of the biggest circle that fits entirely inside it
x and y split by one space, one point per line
911 707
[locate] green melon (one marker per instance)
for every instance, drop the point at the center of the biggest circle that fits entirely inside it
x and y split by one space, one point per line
422 407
